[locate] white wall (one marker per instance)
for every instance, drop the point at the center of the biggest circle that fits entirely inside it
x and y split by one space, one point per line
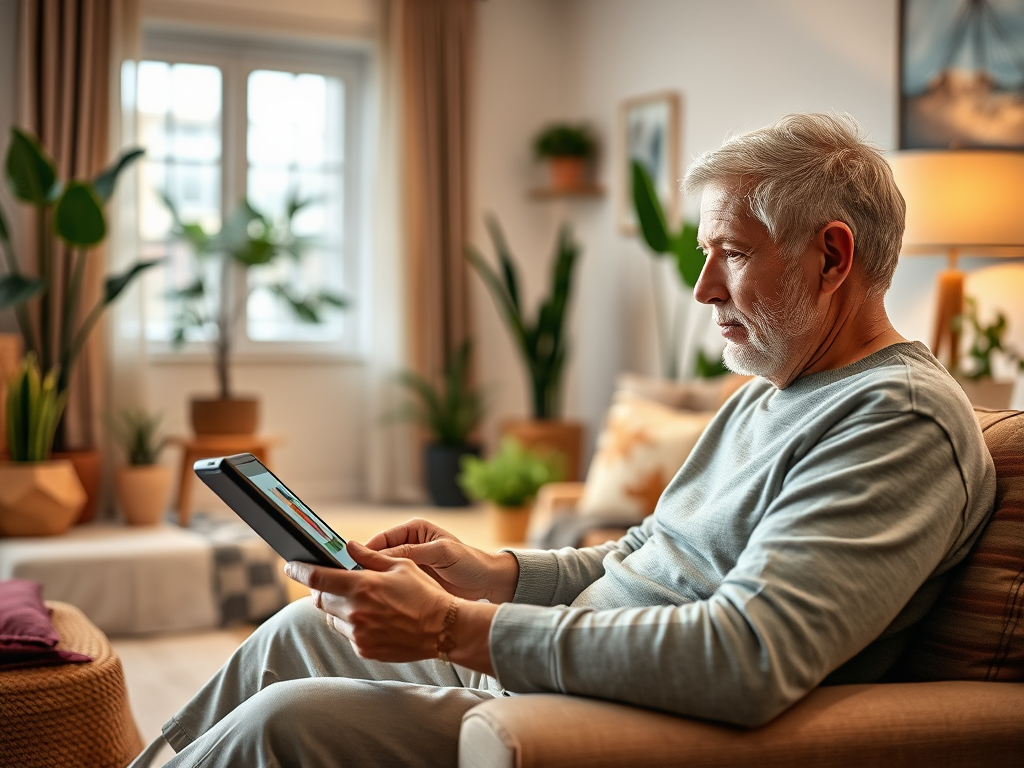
738 65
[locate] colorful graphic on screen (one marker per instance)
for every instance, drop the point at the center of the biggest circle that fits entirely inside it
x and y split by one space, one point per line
305 517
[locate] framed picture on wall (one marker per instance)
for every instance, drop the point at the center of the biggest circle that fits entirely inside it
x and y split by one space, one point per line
961 74
650 134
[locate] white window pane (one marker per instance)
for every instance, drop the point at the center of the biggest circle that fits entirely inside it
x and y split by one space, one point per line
271 144
270 97
268 190
195 190
154 218
196 141
154 87
196 93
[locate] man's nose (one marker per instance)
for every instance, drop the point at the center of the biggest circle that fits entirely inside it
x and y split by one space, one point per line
710 287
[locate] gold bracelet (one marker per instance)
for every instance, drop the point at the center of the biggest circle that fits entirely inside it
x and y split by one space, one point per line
445 643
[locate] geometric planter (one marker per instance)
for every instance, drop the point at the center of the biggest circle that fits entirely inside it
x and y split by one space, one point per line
39 498
88 464
143 491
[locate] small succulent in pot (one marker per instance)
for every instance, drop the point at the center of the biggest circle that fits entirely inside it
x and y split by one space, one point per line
138 434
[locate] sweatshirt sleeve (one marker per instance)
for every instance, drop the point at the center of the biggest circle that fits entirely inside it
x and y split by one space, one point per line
556 577
860 523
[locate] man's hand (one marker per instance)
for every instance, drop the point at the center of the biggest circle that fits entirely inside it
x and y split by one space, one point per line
461 569
393 611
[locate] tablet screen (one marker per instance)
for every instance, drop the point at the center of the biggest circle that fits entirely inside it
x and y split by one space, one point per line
303 516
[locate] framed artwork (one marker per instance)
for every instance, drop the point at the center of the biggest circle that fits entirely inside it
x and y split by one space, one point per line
961 74
650 134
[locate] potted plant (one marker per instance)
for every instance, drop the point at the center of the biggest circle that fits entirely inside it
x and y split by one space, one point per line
38 496
142 486
70 223
541 342
976 378
509 482
449 413
567 150
212 302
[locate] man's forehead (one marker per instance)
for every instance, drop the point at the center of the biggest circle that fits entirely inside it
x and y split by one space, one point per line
723 211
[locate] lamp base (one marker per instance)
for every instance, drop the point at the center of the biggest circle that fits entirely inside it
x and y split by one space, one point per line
950 304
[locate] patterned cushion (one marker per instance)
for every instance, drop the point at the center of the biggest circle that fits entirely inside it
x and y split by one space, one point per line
643 445
976 629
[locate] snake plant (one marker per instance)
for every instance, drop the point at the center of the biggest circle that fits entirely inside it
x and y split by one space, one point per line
34 405
541 341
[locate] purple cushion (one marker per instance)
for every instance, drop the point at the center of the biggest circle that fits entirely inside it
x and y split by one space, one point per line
27 637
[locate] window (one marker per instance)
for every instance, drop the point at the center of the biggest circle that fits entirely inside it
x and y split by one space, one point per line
227 119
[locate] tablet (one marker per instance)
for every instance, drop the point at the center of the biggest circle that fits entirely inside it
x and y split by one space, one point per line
257 496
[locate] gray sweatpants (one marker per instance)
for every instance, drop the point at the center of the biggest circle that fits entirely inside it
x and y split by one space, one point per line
296 694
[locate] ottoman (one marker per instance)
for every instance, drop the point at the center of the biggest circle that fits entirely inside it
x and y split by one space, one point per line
68 715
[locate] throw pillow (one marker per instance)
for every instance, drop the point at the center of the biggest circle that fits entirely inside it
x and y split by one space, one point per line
27 637
643 445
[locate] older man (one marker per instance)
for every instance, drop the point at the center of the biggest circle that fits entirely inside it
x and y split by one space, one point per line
809 530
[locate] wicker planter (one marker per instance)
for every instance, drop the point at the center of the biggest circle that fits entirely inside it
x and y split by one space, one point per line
555 435
39 498
143 493
235 416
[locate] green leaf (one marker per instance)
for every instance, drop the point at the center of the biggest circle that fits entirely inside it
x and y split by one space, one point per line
649 213
106 180
79 218
31 173
195 290
115 284
689 257
332 299
508 268
5 233
17 289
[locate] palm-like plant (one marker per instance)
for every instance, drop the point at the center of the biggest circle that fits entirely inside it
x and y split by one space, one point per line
248 238
541 341
71 213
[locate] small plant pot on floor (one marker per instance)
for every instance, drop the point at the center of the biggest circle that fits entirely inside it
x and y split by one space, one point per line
510 523
143 493
443 463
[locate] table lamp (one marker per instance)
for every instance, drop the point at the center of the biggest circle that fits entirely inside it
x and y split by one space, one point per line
960 200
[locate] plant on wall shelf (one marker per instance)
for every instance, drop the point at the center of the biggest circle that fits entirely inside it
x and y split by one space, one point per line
688 259
564 140
986 341
69 213
212 298
541 341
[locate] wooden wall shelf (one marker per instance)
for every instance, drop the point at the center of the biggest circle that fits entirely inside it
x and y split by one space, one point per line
546 193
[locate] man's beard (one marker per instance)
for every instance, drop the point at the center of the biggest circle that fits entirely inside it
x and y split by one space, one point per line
772 327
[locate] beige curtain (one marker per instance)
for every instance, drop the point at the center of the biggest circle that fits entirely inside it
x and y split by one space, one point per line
68 72
437 39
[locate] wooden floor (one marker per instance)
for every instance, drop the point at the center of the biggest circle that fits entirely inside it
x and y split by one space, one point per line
163 672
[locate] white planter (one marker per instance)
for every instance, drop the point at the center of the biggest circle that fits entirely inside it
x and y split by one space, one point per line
143 493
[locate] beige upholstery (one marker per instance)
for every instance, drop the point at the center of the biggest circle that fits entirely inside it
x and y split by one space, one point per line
935 724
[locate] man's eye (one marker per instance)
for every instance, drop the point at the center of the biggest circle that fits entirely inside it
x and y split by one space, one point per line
735 255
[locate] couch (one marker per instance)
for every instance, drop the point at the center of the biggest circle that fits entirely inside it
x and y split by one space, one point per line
962 703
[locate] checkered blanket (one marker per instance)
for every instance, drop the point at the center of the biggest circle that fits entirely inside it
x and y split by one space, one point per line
248 584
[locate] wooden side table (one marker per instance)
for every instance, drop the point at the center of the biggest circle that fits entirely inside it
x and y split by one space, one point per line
196 447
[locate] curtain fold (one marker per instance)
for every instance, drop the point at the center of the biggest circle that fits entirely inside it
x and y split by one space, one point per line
420 277
68 67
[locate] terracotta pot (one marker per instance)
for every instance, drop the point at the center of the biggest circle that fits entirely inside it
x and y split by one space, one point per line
563 437
235 416
510 523
567 173
88 466
39 498
143 493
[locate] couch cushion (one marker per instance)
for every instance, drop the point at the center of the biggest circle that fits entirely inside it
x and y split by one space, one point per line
641 448
975 631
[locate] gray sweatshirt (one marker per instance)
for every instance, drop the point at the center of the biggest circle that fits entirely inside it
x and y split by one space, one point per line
809 529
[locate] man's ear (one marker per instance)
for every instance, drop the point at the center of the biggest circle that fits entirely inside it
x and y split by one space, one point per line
835 243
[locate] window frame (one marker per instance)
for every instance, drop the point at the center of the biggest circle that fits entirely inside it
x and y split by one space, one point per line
237 55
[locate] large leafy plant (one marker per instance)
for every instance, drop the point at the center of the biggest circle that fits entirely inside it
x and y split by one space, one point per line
681 246
69 213
212 297
33 405
541 341
451 411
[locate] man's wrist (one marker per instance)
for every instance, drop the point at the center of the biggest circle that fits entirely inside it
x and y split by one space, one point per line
468 637
506 578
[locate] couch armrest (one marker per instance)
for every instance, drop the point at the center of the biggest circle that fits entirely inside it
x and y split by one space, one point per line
933 724
553 499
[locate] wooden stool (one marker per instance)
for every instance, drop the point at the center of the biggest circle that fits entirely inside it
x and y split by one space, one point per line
73 714
198 447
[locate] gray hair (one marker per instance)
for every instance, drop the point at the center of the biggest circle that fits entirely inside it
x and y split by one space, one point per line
805 171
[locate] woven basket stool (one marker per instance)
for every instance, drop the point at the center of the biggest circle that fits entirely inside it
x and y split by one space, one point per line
68 716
